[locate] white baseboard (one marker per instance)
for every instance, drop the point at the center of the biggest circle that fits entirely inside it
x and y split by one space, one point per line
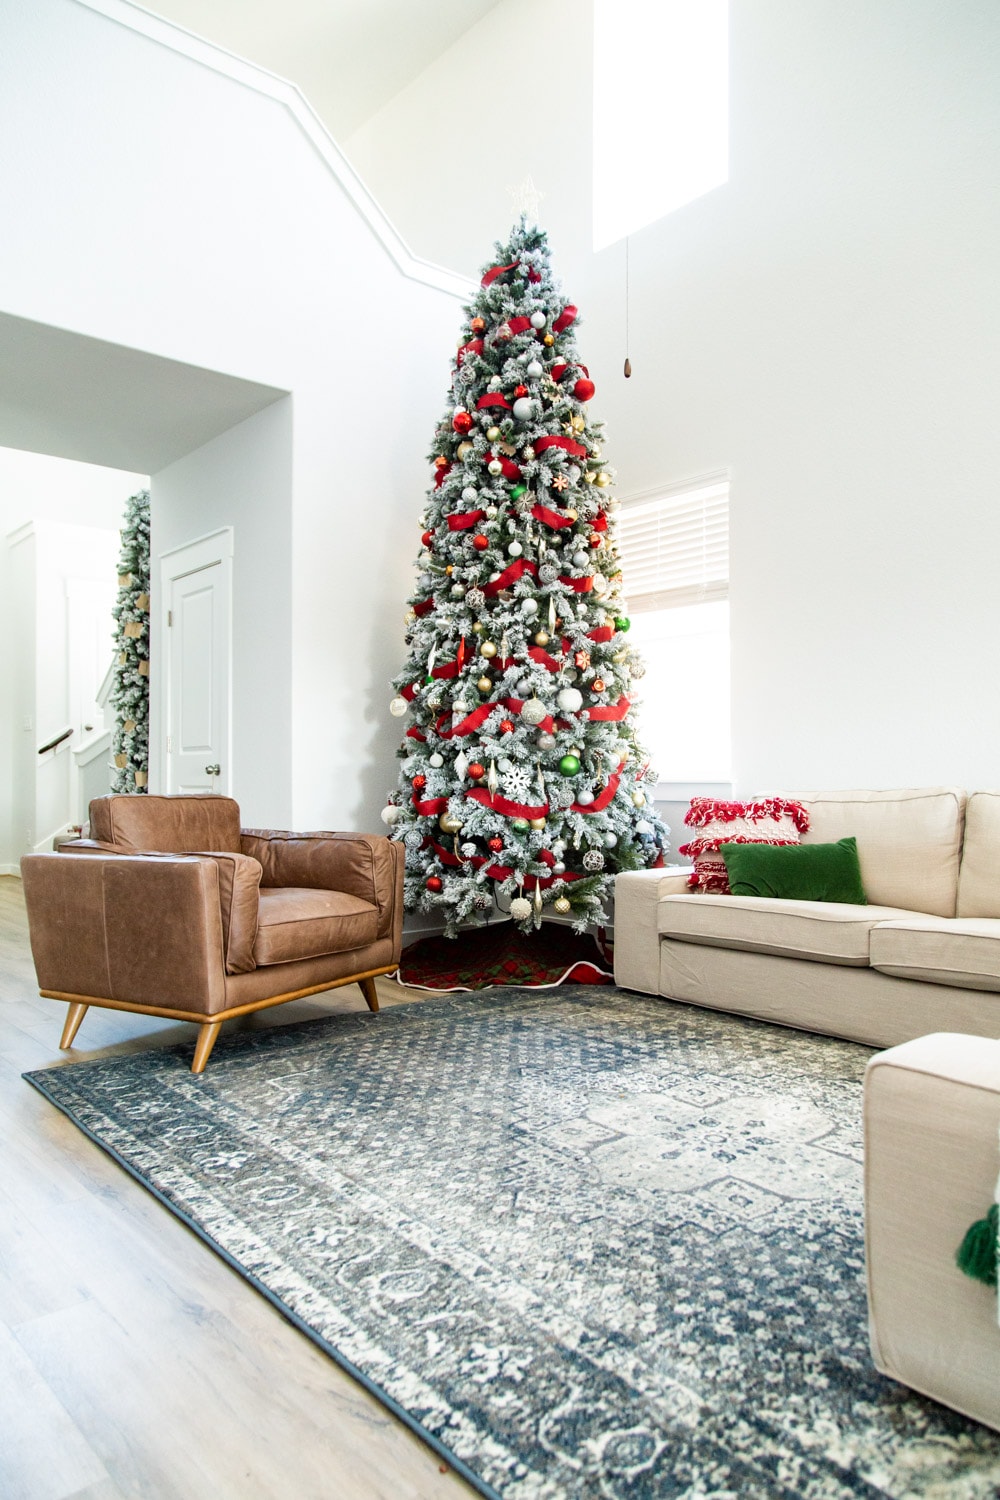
14 870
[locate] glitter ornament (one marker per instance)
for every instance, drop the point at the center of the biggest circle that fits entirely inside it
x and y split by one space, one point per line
585 798
495 844
391 814
520 909
418 783
469 494
561 905
398 707
569 699
476 770
533 712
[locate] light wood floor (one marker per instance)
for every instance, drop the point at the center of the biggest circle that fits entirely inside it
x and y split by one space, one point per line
133 1361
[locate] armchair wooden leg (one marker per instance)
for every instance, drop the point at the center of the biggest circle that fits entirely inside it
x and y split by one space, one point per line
74 1016
367 987
203 1048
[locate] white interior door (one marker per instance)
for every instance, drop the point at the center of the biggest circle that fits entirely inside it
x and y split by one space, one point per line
198 594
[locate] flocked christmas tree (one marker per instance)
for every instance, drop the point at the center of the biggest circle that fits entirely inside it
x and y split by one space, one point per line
521 773
130 694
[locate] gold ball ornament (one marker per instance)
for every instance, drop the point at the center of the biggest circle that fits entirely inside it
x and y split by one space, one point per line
450 569
603 480
477 628
488 648
536 822
578 423
484 685
571 513
492 433
464 449
561 905
449 824
549 340
639 799
542 638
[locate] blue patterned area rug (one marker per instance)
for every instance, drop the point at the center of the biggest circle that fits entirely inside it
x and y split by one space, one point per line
585 1242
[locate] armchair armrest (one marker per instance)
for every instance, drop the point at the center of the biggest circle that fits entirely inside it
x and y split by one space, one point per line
361 864
138 928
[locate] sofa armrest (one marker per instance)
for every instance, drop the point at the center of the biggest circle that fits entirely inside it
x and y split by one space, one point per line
365 865
637 940
89 846
145 929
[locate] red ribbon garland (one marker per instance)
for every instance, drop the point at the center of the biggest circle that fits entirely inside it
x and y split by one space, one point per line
518 324
440 474
495 271
554 519
569 445
603 797
565 318
543 658
510 575
431 808
474 346
613 714
508 469
501 872
578 585
600 522
413 733
493 398
424 607
468 725
461 520
504 805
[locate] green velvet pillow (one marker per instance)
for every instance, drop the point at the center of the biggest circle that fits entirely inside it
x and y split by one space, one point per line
796 872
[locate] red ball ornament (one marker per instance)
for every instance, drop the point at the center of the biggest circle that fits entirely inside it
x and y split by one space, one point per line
520 390
584 389
480 542
476 771
433 883
495 844
427 537
462 421
418 783
506 726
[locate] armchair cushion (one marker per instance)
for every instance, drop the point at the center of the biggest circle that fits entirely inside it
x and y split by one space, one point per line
294 923
239 893
170 825
362 865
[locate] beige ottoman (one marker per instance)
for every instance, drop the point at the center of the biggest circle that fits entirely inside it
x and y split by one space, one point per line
932 1116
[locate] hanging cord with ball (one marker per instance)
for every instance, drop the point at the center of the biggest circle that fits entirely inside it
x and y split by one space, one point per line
628 362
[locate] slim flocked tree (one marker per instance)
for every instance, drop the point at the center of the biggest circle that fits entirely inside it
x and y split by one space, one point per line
130 694
521 773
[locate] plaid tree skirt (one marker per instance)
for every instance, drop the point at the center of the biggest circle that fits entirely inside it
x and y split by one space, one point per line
500 954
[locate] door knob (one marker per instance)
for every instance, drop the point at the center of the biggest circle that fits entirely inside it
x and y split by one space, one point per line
215 770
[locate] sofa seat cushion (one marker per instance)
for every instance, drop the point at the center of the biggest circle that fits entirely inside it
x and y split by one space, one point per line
295 922
964 952
828 932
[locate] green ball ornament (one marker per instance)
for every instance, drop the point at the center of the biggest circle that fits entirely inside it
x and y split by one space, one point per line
569 765
622 622
520 825
517 490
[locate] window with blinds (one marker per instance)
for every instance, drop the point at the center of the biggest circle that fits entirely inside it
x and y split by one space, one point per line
674 547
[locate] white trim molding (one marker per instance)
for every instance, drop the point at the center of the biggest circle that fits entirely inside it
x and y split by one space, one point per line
290 97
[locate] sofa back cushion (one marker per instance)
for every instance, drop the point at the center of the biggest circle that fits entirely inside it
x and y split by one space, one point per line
979 877
169 825
909 841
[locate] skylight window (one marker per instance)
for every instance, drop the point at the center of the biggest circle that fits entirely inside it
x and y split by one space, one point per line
661 109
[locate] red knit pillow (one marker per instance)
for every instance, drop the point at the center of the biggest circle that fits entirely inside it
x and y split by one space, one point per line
771 820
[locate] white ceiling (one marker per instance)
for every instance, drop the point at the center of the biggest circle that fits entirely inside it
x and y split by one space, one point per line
349 57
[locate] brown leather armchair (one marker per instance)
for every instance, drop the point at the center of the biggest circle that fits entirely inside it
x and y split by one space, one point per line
172 909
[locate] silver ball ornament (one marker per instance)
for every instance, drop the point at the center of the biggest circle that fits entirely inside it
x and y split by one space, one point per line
538 320
643 828
610 840
529 607
524 409
533 712
514 549
585 798
391 814
546 741
435 760
570 699
534 370
469 494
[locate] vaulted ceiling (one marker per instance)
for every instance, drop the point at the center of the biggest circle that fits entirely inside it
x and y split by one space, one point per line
349 57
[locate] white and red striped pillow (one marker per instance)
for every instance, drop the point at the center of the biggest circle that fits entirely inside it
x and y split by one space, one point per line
770 820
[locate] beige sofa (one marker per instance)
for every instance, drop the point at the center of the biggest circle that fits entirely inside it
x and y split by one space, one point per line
923 956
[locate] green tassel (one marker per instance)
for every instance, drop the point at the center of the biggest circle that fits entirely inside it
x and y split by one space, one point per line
977 1254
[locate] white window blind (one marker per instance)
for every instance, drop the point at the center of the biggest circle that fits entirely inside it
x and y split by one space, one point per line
675 547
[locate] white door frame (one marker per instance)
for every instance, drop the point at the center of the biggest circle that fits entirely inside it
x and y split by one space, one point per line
202 552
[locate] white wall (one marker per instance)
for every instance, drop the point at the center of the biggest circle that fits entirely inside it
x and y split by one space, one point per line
37 488
825 326
243 479
164 206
